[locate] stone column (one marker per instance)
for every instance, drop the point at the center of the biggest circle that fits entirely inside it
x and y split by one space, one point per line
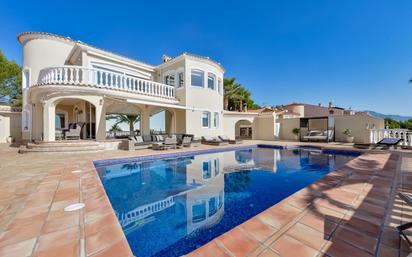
49 113
100 117
145 121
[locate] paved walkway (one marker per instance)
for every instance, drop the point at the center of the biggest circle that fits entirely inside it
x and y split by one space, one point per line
350 212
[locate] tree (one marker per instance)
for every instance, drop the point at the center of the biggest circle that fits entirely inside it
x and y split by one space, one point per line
391 123
231 89
125 118
115 128
236 96
10 81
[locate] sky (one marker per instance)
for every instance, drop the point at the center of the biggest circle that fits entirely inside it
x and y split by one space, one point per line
355 53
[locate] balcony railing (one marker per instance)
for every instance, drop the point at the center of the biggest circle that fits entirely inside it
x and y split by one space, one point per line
378 134
83 76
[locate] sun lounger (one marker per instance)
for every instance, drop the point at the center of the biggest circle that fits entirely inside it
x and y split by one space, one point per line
407 199
225 138
186 142
213 141
319 135
385 143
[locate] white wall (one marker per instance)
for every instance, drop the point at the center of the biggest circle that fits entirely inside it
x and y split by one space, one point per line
359 124
10 125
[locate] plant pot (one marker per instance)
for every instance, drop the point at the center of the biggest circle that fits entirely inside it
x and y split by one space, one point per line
349 139
10 140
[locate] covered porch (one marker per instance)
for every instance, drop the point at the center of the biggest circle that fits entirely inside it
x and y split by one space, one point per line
101 118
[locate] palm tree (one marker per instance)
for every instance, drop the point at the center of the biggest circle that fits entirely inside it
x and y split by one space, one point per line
125 118
115 128
232 90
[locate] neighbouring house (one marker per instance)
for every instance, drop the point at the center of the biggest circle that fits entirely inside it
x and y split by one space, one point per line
68 82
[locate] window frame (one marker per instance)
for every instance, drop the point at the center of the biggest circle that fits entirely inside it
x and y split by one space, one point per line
178 84
202 80
216 120
208 119
166 76
213 76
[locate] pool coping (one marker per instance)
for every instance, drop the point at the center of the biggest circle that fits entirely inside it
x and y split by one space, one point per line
115 161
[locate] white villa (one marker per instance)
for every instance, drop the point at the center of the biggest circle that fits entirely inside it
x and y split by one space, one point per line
67 81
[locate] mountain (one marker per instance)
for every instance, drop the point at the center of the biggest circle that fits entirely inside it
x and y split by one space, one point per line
393 116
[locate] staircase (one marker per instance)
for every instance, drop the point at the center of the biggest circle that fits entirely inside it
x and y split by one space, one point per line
75 146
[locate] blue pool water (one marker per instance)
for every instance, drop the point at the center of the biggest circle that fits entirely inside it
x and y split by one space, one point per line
169 207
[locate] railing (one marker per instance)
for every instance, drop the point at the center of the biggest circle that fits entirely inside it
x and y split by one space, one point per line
144 211
378 134
77 75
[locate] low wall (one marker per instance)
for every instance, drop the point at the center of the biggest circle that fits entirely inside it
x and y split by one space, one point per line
359 124
10 125
286 127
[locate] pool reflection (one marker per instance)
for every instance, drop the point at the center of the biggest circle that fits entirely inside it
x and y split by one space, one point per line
170 207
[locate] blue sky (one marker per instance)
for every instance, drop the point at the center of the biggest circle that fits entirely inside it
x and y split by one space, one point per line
356 53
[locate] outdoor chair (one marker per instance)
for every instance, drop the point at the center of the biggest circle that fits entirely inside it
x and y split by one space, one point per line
213 141
407 199
225 138
73 133
186 142
385 143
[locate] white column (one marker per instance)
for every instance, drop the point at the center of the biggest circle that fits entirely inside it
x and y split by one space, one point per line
100 117
49 112
145 121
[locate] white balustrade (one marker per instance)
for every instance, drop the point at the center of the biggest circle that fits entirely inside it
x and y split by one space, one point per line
83 76
144 211
378 134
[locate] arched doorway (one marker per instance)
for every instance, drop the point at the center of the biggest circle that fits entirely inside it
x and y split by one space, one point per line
243 129
74 119
162 122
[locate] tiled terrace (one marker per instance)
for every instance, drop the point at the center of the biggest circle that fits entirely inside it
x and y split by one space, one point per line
350 212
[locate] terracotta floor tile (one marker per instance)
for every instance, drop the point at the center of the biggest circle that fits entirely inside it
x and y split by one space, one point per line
207 250
367 228
319 222
258 229
385 251
390 237
100 224
58 238
308 236
21 249
102 239
238 242
67 250
268 253
359 240
343 249
287 246
20 234
119 249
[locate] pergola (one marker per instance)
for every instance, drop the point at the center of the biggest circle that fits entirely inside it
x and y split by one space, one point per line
315 123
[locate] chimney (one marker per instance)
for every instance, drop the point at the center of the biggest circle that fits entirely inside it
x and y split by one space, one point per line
320 104
166 58
330 104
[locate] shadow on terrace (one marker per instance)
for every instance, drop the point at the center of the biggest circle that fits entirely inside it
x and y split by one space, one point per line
354 211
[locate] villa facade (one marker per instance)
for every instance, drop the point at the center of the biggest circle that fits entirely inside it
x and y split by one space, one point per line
70 82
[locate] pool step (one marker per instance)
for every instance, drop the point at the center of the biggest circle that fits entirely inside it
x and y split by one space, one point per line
63 147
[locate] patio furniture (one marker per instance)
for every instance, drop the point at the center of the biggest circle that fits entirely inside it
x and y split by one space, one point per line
59 134
225 138
407 199
319 135
74 133
170 142
213 141
186 142
160 146
136 143
385 143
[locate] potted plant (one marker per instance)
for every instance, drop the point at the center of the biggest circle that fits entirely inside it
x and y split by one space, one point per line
296 132
348 133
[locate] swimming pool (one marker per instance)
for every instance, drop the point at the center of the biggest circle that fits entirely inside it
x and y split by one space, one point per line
171 206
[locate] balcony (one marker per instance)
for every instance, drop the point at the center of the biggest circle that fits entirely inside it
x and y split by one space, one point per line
83 76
